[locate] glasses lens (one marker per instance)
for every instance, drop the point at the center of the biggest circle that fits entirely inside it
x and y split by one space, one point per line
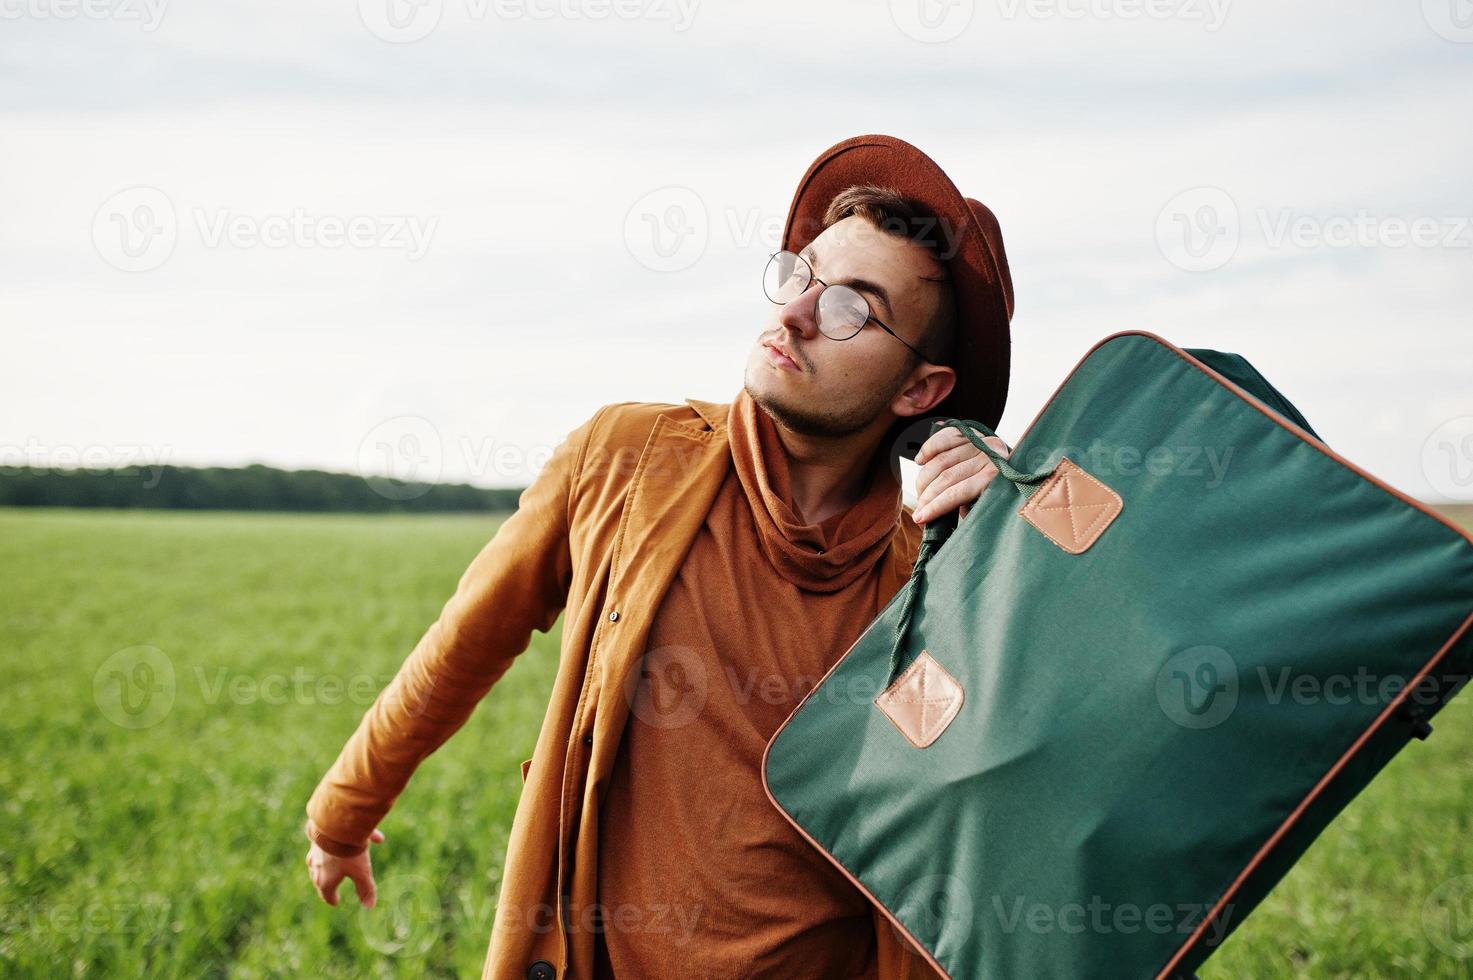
841 312
785 278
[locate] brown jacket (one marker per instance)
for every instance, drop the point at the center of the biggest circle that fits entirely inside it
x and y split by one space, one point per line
599 534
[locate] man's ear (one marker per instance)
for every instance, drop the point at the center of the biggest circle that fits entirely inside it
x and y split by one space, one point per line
927 389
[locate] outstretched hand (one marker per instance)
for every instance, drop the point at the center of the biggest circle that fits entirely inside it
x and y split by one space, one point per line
328 871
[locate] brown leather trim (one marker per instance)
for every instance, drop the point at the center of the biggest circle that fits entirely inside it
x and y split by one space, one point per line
527 764
853 878
1319 444
1072 507
1310 797
1313 793
1255 403
923 700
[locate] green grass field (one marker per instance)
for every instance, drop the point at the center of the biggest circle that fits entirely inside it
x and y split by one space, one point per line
161 835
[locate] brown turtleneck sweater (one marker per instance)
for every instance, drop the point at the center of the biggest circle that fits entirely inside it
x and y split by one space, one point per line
699 876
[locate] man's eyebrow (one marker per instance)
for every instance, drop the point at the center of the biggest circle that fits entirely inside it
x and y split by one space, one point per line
853 282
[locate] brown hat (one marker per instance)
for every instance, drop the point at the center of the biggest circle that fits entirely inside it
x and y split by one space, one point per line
969 237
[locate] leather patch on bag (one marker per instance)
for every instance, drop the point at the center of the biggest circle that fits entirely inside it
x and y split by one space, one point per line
1072 508
922 701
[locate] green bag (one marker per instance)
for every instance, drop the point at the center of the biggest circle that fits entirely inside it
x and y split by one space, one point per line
1170 641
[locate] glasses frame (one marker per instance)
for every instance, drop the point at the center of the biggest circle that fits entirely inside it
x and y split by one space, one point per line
814 279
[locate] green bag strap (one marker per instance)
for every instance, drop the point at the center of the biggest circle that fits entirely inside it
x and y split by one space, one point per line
938 531
1025 483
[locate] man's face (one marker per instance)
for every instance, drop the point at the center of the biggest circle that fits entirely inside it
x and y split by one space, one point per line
835 388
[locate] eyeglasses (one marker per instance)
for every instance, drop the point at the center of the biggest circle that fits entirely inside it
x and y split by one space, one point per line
842 311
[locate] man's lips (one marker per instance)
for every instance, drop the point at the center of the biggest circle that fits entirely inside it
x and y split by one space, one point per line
776 356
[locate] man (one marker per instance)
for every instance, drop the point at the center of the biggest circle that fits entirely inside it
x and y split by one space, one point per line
712 561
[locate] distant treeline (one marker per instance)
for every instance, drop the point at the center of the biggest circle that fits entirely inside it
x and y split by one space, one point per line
253 487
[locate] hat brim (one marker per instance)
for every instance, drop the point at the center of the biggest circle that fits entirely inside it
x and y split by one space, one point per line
977 263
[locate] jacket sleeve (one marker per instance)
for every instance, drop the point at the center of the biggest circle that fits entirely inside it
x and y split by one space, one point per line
517 583
897 958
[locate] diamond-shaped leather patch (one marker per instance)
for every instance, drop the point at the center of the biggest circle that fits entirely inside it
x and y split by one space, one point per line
1072 508
922 701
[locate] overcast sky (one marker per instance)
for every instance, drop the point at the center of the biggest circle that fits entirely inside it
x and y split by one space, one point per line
343 235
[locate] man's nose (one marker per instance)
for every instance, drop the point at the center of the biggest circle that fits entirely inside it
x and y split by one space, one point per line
800 314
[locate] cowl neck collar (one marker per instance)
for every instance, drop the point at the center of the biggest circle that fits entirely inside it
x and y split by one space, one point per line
822 557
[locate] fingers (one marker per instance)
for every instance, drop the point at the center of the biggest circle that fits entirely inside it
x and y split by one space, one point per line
946 456
952 497
327 873
326 882
953 473
946 461
947 438
950 438
367 891
964 467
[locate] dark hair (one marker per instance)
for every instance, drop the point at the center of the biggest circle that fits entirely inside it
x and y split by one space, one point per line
905 217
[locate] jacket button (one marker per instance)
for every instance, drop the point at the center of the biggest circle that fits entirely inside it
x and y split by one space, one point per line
588 739
614 616
541 970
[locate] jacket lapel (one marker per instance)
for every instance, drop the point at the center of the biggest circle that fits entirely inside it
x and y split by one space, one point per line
674 484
